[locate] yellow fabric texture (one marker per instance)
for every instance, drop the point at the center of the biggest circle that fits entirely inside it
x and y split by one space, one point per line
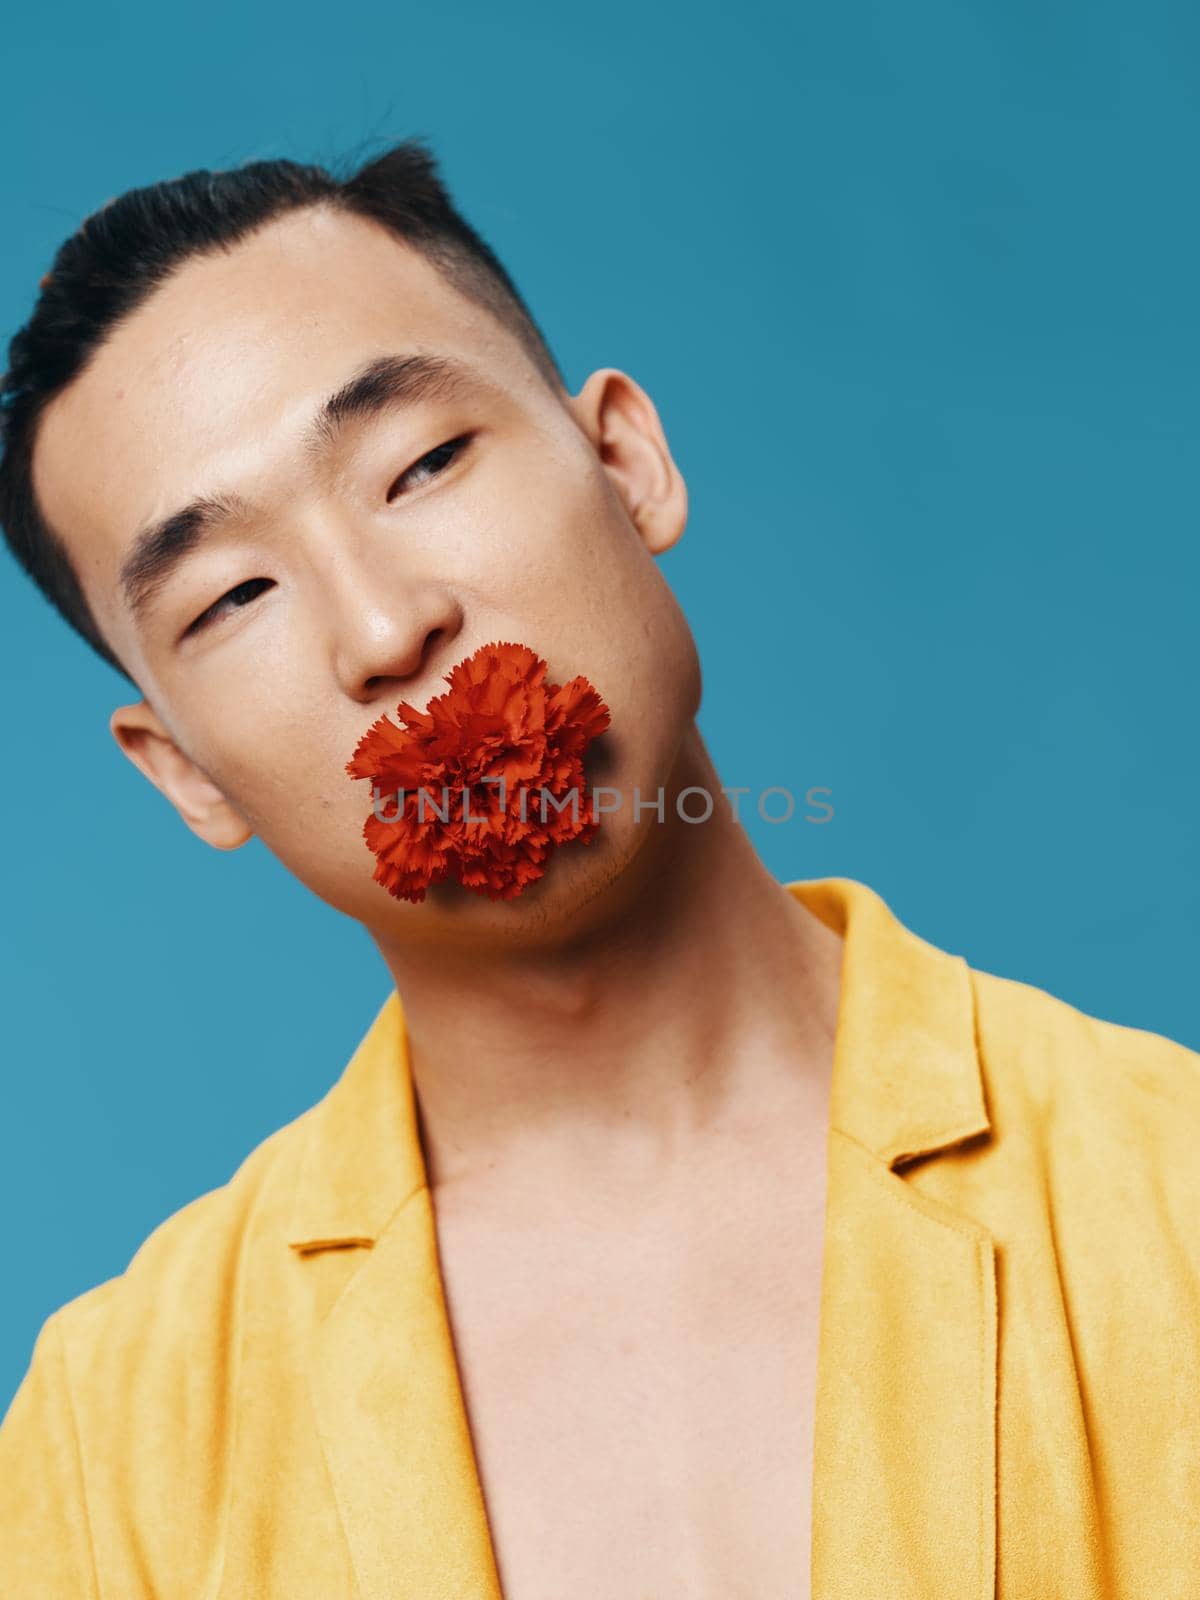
266 1402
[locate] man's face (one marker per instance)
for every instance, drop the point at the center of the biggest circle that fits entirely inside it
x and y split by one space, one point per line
368 556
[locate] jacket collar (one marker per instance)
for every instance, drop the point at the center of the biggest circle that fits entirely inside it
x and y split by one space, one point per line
906 1074
906 1077
904 1473
361 1158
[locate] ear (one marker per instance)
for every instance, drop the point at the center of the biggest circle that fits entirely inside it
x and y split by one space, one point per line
619 418
149 745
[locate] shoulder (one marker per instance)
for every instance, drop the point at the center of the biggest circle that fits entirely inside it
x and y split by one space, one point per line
1057 1049
142 1360
178 1267
178 1294
1115 1106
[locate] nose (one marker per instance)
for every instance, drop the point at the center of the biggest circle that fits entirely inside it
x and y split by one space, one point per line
389 641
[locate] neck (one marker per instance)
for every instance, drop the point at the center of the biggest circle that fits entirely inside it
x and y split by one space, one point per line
692 993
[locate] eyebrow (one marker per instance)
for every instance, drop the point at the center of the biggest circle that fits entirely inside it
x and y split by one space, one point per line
382 384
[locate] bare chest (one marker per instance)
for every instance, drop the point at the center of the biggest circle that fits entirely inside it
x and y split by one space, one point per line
641 1397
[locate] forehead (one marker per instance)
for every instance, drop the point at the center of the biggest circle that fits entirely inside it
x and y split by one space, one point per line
210 382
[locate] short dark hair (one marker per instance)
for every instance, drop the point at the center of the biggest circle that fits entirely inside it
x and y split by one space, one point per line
123 251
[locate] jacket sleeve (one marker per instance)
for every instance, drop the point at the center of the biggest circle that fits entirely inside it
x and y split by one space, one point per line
45 1539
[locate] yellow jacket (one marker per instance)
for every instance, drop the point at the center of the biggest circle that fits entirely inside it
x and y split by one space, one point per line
265 1405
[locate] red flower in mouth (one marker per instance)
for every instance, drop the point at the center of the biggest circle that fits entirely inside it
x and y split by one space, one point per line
501 722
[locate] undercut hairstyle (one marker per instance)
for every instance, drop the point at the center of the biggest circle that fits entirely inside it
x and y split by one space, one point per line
121 253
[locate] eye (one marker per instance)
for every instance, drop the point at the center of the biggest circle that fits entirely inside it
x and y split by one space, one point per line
240 595
430 464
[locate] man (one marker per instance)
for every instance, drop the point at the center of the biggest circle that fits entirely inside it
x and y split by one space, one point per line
666 1214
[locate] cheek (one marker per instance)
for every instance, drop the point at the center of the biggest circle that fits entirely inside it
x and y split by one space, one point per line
272 766
581 587
575 569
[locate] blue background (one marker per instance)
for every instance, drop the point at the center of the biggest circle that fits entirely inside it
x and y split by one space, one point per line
914 289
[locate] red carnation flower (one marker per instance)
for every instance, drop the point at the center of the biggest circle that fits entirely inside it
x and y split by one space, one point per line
479 787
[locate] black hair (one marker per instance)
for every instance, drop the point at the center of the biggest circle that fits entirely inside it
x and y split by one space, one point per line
123 251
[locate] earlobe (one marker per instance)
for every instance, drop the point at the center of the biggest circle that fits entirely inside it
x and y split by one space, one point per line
143 738
621 421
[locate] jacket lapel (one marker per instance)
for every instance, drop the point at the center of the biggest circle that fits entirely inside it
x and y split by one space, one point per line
385 1386
905 1447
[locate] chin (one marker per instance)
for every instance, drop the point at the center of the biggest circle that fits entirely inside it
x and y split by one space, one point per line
568 898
